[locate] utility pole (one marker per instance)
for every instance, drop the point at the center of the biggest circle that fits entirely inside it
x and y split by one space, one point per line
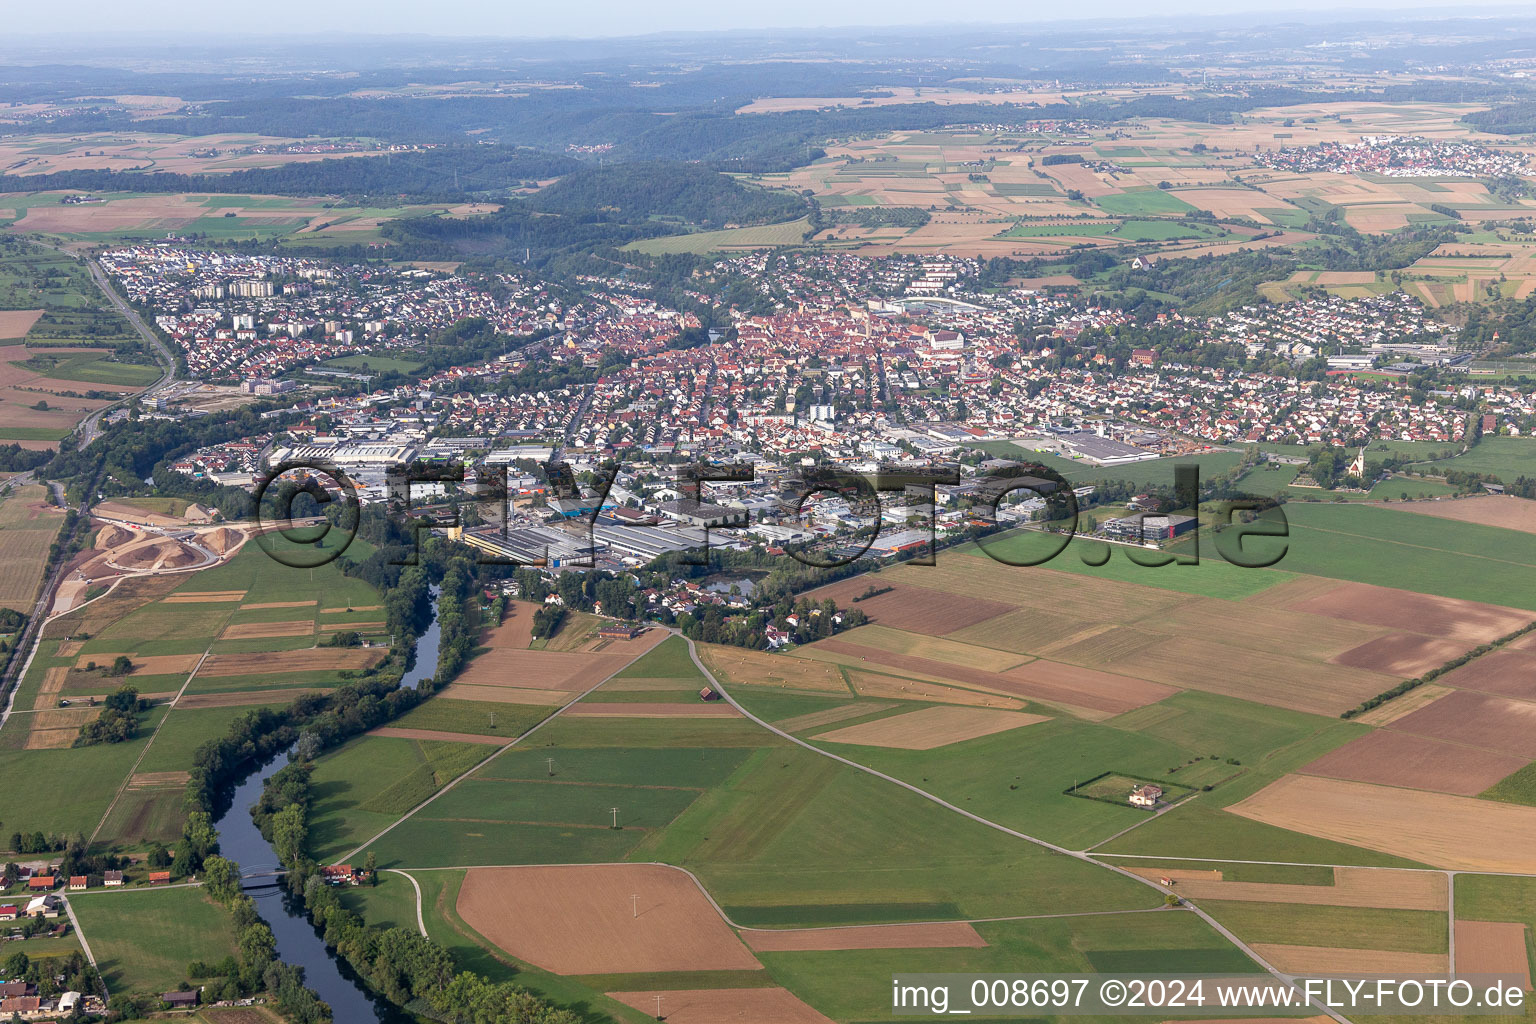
615 817
658 1009
550 762
634 899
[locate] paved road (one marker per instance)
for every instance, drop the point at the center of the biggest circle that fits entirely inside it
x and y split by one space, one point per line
90 427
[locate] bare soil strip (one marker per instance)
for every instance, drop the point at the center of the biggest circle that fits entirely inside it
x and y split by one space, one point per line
640 709
601 919
264 630
1391 758
1492 947
718 1005
436 734
244 698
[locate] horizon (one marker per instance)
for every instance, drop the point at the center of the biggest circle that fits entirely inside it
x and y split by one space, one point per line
114 26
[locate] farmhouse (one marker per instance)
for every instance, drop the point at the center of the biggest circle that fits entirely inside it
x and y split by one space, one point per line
342 874
112 879
42 882
45 906
1146 796
78 883
618 631
159 878
9 912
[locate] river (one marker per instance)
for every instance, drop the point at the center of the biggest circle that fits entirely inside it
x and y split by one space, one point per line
298 943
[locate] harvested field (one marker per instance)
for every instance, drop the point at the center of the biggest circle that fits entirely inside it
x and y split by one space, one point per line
913 608
355 608
276 662
1488 509
374 625
1401 654
581 919
716 1005
1353 887
1213 664
641 709
244 698
264 630
1509 673
737 666
920 645
1407 704
1477 720
158 780
570 671
928 728
1432 828
204 597
515 630
1082 687
1446 617
879 684
1391 758
15 323
435 734
1492 947
279 604
1334 960
815 719
945 935
146 665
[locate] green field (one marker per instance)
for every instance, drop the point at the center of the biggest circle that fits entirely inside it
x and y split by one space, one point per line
376 362
788 233
145 938
1408 931
854 985
1136 202
795 839
1211 577
368 783
1392 548
1504 457
80 782
475 717
91 368
1021 778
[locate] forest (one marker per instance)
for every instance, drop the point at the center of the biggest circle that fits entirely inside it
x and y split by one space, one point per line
687 192
447 173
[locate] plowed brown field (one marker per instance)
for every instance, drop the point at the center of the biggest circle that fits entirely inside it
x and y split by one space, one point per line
585 919
1391 758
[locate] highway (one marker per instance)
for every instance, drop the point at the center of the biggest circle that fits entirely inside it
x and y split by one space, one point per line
90 427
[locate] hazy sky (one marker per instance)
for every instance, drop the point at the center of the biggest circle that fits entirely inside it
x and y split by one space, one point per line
586 18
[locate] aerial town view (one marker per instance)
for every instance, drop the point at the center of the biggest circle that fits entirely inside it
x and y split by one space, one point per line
788 516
